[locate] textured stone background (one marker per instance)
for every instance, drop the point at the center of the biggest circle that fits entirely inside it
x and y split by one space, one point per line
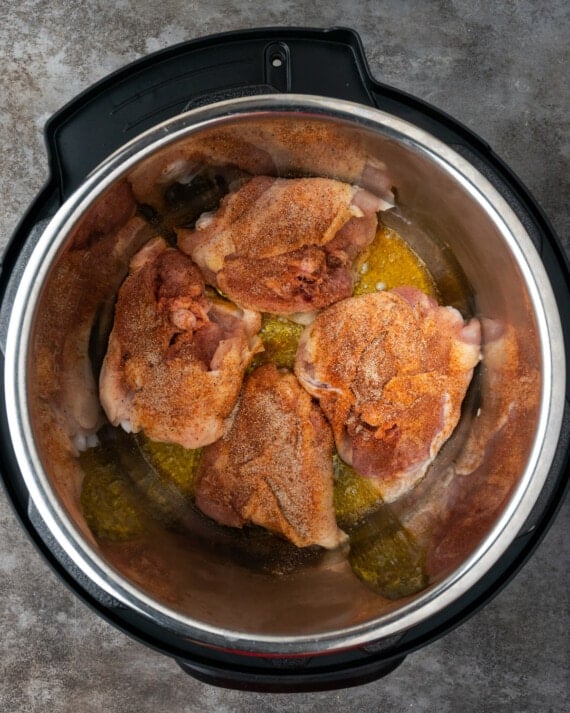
499 67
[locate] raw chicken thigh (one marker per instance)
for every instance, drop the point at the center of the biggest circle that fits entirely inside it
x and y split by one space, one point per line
273 467
282 245
390 371
176 359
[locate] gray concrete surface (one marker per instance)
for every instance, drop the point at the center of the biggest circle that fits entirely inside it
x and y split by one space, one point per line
502 69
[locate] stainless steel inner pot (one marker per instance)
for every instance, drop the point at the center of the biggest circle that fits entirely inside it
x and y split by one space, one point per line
477 495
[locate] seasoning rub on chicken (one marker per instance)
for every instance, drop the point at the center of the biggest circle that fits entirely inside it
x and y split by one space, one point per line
390 370
176 359
273 467
282 245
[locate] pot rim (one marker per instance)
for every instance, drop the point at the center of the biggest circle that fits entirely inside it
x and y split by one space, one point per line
437 597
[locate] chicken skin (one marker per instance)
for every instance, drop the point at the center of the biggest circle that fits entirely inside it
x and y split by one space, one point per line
273 467
284 246
176 359
390 371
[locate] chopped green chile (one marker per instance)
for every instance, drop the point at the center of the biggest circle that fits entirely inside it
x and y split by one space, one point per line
385 556
172 462
280 339
110 505
354 496
382 553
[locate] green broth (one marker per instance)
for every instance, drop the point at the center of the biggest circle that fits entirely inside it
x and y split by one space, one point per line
390 262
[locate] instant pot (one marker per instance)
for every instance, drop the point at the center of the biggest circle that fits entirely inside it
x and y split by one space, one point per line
284 102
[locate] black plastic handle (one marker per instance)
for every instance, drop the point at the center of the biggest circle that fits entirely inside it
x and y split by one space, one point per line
166 83
290 677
